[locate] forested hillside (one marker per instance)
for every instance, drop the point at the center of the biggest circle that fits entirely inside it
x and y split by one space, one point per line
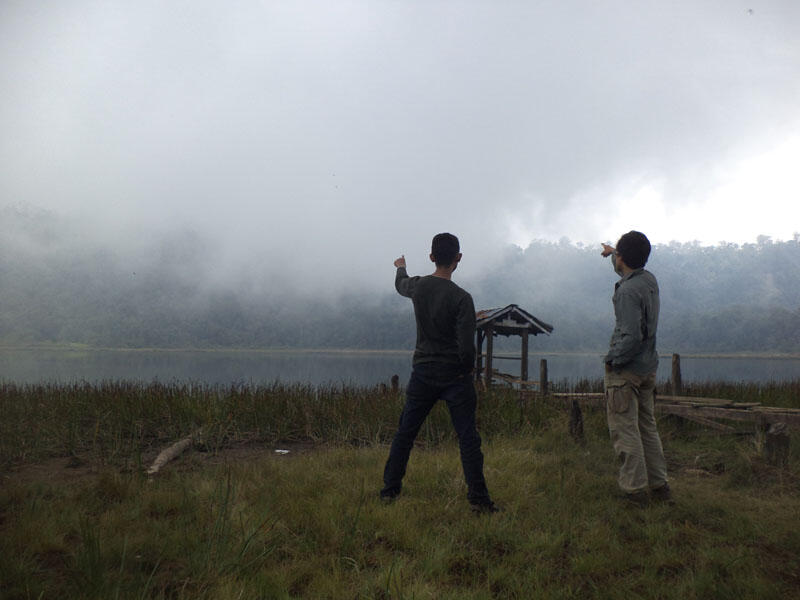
59 285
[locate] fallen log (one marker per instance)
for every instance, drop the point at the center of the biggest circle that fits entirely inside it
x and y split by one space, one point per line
170 453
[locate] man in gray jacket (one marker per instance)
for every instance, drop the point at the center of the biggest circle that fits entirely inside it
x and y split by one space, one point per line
630 373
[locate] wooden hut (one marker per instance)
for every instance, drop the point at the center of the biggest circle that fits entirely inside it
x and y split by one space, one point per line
508 321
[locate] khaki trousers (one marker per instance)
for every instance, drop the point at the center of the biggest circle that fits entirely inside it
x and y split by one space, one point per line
632 425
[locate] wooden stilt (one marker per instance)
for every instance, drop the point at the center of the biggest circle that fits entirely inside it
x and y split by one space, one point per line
543 376
524 368
677 384
489 351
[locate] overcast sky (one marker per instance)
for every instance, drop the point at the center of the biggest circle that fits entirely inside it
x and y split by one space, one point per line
309 137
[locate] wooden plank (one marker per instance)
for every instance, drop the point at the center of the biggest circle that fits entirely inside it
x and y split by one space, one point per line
706 411
504 376
510 324
508 378
754 415
589 399
696 400
702 410
710 423
713 403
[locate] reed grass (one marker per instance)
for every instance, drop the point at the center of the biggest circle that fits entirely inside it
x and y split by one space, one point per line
120 422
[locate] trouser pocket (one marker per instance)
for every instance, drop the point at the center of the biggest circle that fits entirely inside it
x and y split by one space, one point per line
619 397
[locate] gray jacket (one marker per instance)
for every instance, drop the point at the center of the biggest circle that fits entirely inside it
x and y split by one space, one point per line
636 307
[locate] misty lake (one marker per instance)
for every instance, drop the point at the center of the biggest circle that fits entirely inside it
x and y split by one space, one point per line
359 368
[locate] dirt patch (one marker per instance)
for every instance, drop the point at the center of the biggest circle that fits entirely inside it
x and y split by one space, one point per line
254 450
65 470
54 470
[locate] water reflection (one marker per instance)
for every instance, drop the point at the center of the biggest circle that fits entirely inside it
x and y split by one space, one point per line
226 367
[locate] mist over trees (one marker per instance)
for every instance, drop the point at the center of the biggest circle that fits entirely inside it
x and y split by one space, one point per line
61 285
725 298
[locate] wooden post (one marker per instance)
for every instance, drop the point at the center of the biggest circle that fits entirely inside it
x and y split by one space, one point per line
576 422
677 384
524 369
776 445
395 384
478 357
489 350
543 376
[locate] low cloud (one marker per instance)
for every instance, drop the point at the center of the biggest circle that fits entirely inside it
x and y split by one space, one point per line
309 145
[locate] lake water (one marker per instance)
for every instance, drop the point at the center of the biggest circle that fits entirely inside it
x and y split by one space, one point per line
360 368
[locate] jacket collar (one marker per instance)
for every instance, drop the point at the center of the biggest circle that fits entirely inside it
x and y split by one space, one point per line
630 275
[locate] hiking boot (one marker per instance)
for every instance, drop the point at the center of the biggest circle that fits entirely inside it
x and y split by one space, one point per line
662 494
484 508
638 499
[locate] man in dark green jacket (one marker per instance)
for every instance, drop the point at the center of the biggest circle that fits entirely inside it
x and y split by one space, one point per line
630 373
442 369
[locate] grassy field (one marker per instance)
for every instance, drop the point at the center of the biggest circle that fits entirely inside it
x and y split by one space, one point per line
233 519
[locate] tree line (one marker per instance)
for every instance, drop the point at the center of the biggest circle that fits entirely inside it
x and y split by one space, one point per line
57 287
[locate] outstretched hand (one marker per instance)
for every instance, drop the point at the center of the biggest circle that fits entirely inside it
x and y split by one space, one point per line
607 250
400 262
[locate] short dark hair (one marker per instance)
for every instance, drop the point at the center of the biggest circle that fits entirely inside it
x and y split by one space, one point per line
634 248
444 248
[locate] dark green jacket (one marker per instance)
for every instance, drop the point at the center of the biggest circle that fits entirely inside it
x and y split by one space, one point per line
445 317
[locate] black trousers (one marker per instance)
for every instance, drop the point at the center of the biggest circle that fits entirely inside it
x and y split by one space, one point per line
429 383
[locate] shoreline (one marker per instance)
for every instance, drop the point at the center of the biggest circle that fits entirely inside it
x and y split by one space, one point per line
368 351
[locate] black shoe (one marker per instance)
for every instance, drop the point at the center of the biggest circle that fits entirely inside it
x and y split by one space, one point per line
484 508
388 498
638 499
662 494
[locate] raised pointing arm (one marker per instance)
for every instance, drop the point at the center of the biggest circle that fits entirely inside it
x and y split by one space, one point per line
402 282
612 252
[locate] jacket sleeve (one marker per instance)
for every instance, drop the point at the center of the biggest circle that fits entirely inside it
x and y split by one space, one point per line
465 330
628 336
404 284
